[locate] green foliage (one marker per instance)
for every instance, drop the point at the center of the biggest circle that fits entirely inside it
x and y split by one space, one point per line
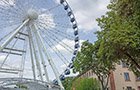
68 82
87 84
23 87
120 35
87 58
19 86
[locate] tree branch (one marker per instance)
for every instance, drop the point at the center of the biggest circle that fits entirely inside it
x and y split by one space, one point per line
132 59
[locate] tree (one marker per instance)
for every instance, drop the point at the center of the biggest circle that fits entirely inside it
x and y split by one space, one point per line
120 35
87 84
87 59
68 82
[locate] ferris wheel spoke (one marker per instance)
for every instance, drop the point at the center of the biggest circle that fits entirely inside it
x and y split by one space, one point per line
17 10
58 32
56 24
56 50
9 17
9 11
9 14
52 24
6 35
7 4
42 5
56 39
60 16
34 3
13 7
9 24
20 6
50 9
61 34
58 42
55 16
6 15
4 3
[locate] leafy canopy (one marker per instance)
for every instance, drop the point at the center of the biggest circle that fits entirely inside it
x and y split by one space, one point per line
120 35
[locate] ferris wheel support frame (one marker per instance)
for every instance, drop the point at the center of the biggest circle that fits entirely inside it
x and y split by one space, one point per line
49 58
31 54
35 54
13 35
41 55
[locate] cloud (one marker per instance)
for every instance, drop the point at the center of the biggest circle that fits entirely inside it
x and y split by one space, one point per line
70 43
70 30
45 21
87 11
2 57
64 66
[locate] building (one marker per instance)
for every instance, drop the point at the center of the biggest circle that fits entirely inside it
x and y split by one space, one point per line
120 79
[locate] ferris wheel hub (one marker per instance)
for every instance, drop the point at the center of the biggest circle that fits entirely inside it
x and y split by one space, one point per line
32 14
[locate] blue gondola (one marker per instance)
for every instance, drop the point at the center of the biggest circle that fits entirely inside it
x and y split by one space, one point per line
47 86
76 33
75 52
74 26
76 46
66 7
73 59
69 13
76 39
61 1
72 20
62 77
71 65
67 72
55 82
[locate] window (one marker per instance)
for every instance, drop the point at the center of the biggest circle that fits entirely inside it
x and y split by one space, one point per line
129 88
138 78
124 64
138 87
126 75
87 74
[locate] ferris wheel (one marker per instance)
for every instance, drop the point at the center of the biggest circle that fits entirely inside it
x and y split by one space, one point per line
37 39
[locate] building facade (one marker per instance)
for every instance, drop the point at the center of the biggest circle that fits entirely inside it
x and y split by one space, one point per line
120 79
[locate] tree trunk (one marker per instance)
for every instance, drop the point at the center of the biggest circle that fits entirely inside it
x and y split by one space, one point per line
102 82
103 88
